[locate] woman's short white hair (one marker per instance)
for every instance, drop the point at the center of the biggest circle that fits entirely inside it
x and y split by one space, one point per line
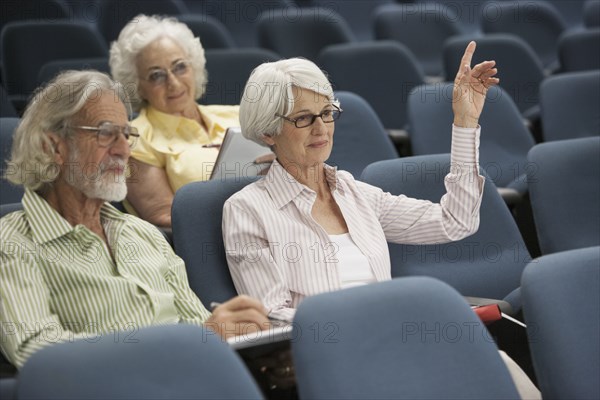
139 33
52 109
269 92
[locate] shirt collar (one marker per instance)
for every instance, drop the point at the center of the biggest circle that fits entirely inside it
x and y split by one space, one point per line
173 123
283 187
47 224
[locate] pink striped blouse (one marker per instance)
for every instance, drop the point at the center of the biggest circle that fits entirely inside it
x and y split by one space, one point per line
279 254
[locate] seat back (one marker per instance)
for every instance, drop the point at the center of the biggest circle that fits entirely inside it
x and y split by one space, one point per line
570 105
9 193
39 10
7 109
488 263
113 15
591 13
416 24
196 217
564 185
21 64
51 69
359 138
536 22
228 72
398 72
402 339
159 362
212 33
520 67
304 34
561 296
578 50
504 141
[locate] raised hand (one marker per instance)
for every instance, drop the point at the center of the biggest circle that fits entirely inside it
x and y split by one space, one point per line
470 88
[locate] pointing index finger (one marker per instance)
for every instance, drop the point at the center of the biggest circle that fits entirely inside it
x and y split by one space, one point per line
468 56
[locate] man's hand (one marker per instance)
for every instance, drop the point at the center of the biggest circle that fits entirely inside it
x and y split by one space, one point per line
238 316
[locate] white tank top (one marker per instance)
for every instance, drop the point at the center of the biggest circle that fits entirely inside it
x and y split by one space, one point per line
353 265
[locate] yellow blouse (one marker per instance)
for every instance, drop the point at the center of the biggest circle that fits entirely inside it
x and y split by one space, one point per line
176 143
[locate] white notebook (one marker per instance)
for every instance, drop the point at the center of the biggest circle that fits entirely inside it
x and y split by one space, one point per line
236 156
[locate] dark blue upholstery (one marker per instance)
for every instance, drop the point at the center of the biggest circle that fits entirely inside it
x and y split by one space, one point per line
197 237
350 66
7 109
39 10
166 362
505 140
578 50
422 28
240 17
570 105
113 15
536 22
8 388
564 184
487 264
409 338
212 33
359 138
561 304
591 13
21 64
9 193
519 68
304 33
51 69
228 72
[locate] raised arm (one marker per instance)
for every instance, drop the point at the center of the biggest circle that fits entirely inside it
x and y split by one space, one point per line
149 192
470 88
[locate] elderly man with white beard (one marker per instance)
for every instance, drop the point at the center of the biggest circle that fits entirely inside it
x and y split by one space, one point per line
72 265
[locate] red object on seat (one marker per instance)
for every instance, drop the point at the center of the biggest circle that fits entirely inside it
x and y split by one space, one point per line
488 313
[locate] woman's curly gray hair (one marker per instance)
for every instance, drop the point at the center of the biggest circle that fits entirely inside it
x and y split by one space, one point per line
51 109
139 33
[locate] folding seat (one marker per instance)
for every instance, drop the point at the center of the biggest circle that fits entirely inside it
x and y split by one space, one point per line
303 32
113 15
7 110
570 105
9 193
536 22
504 140
422 27
198 238
409 338
158 362
212 33
228 71
486 264
591 14
561 304
240 17
382 72
520 70
360 138
26 48
51 69
564 185
578 50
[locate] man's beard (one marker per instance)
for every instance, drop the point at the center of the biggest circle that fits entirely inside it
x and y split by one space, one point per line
94 180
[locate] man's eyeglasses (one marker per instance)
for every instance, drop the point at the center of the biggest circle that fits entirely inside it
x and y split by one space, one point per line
159 76
304 120
107 133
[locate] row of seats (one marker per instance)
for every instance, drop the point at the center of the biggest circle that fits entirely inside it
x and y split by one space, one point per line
435 348
406 359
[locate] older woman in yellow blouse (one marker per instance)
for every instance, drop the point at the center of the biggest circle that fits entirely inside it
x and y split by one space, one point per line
162 65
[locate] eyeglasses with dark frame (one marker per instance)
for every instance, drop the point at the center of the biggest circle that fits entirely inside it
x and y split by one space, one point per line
108 133
304 120
159 76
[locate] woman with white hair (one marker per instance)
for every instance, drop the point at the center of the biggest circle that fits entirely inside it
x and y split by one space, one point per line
162 65
308 228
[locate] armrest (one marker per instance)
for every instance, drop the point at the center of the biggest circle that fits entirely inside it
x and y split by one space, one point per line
505 307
